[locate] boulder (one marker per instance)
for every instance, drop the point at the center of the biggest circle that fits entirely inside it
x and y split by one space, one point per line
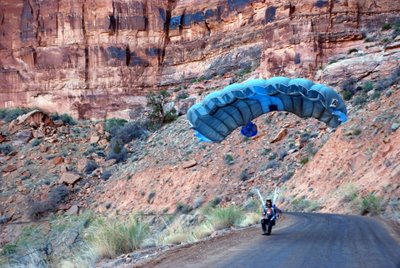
9 168
73 210
94 139
58 160
34 119
282 134
22 137
69 178
189 164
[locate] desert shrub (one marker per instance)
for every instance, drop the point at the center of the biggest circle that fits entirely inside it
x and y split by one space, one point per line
250 219
271 165
131 131
386 26
287 176
360 100
221 218
347 193
202 231
244 175
92 148
265 151
112 125
282 154
371 204
182 95
375 95
6 148
304 205
198 201
90 166
106 175
228 158
210 205
304 160
183 208
352 50
349 85
250 205
66 118
388 81
347 95
368 86
310 149
9 115
112 238
356 132
55 197
35 142
151 197
156 103
117 151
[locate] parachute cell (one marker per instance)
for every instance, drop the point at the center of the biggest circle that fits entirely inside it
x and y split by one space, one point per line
237 105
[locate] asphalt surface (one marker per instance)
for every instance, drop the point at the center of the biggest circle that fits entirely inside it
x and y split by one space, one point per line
310 240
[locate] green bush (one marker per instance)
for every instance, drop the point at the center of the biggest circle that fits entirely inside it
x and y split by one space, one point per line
228 158
348 193
304 160
371 204
386 26
112 125
368 86
6 148
183 208
244 175
156 102
287 176
221 218
182 95
56 196
117 151
66 118
360 100
9 115
35 142
304 205
347 95
112 238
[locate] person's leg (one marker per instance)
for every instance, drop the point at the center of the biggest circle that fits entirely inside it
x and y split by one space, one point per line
263 223
269 223
269 228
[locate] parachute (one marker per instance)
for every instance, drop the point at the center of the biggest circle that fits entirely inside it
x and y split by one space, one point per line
237 105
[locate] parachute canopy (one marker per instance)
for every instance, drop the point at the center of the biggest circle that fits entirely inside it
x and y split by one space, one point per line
236 105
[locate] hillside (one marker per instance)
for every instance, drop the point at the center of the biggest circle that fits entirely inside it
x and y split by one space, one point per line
69 178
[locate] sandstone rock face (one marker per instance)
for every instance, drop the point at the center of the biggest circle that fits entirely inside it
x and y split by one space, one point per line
97 59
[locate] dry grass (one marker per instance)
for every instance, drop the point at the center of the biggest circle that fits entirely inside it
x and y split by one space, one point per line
221 218
111 238
250 219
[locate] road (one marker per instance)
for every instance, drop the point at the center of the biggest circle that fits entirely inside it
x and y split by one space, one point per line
301 240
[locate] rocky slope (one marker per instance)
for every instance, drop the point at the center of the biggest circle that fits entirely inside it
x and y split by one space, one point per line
95 59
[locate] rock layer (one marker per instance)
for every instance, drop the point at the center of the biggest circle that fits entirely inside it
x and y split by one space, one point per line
98 58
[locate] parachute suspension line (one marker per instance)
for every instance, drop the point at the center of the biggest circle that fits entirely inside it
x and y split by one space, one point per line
261 199
276 195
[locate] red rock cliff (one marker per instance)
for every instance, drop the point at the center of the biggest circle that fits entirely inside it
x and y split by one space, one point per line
96 58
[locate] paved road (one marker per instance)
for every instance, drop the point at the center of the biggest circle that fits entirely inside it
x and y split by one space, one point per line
310 240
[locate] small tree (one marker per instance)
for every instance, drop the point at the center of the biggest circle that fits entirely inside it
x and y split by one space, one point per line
156 102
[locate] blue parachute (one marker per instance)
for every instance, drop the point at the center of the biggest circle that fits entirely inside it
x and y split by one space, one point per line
236 105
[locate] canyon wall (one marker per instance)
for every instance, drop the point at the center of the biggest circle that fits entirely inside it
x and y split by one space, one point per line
96 59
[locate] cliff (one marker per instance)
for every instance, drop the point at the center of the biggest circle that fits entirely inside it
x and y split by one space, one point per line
97 59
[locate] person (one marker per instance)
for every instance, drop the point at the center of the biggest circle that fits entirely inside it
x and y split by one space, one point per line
269 216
